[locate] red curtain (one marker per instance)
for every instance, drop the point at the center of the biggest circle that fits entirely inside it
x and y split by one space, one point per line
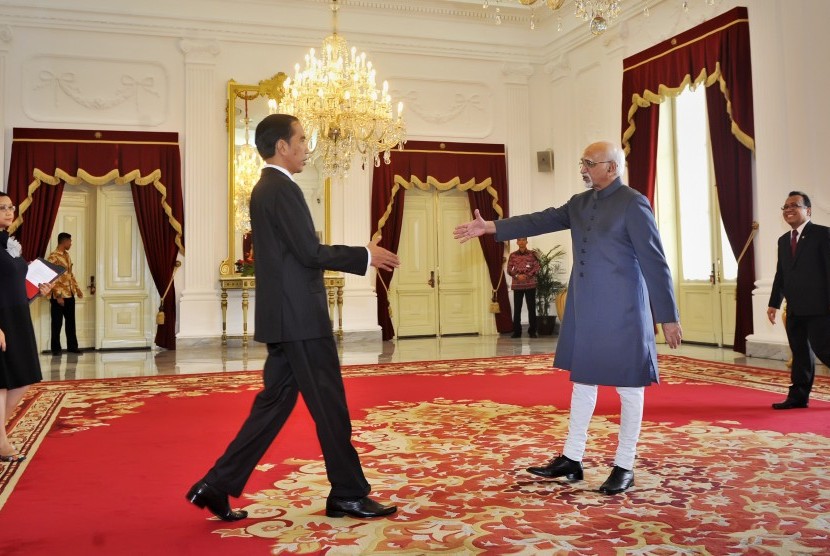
468 166
382 201
41 208
715 54
43 160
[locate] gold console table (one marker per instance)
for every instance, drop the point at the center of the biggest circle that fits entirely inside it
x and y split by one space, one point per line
333 281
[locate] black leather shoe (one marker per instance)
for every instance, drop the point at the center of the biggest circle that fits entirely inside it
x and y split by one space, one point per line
559 467
618 481
202 494
362 507
789 404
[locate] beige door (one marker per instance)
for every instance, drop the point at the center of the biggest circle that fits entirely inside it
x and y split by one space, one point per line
436 290
77 203
126 300
107 251
706 270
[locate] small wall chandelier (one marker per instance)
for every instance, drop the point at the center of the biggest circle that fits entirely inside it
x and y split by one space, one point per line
342 111
247 169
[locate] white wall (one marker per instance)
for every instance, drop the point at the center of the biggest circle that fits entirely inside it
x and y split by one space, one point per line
462 78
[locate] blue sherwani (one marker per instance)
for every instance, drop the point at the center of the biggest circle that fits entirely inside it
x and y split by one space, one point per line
619 279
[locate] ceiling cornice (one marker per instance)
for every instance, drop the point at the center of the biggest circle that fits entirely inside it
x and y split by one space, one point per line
435 28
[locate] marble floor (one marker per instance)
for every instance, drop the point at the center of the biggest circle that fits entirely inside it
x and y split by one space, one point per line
213 357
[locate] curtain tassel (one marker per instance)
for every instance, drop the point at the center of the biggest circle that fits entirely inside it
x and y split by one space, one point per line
160 314
494 304
494 300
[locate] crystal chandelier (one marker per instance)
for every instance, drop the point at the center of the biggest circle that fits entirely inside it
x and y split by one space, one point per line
247 168
599 13
342 111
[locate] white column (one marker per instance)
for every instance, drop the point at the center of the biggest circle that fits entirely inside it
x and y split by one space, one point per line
5 41
350 202
204 176
521 159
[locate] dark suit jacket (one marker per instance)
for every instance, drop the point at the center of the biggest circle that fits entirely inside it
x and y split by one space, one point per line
291 300
804 280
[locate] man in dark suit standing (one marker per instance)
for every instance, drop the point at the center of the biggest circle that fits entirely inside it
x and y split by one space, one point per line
802 277
292 318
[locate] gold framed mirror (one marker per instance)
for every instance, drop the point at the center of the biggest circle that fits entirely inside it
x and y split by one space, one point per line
245 108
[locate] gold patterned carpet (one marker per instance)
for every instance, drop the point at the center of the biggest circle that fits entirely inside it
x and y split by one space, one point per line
718 471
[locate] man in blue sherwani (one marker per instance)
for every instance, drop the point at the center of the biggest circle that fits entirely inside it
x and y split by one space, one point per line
620 285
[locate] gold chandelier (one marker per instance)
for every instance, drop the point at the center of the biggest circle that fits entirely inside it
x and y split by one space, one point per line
247 169
342 111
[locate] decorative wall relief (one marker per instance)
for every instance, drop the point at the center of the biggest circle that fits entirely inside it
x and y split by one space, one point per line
95 91
435 108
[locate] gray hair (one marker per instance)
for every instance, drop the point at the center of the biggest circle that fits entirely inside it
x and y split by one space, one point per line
618 156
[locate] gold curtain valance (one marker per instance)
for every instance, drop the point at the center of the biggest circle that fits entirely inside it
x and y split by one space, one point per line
430 182
113 176
649 97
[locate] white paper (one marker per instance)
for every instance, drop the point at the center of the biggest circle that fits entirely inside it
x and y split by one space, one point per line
39 273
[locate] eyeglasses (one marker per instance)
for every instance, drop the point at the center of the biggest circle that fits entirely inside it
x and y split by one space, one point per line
9 208
793 206
590 163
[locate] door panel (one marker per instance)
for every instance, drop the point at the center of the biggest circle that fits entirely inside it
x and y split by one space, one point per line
729 308
124 300
698 306
457 280
415 313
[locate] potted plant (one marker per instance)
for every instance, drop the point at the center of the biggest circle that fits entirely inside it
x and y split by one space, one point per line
548 285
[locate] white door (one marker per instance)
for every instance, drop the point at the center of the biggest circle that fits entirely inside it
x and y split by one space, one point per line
415 308
77 204
106 251
457 289
126 299
436 290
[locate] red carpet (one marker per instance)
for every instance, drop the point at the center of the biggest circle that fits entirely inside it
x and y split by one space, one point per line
718 471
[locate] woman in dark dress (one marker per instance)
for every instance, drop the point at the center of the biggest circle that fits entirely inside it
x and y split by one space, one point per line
19 363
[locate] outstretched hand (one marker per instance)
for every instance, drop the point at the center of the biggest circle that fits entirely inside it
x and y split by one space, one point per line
475 228
382 258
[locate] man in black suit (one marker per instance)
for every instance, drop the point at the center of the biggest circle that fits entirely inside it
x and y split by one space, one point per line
803 278
292 318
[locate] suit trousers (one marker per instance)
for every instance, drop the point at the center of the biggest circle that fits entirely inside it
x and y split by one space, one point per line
61 313
583 402
809 337
310 367
518 297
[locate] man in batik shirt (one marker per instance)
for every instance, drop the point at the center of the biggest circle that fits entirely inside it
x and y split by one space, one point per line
63 297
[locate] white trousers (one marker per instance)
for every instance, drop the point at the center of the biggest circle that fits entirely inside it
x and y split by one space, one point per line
583 402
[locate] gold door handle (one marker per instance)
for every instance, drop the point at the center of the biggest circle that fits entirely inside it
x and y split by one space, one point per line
431 280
